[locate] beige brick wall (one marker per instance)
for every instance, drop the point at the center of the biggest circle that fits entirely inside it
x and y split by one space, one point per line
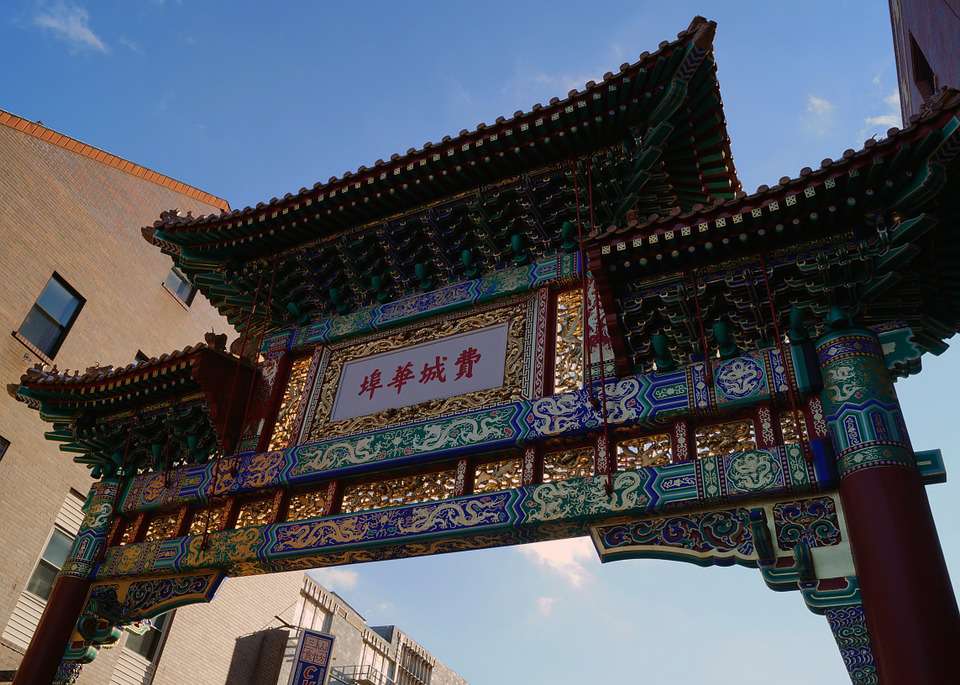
202 637
63 212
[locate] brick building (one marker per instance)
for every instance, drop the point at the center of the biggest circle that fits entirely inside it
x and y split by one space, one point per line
72 254
362 654
926 38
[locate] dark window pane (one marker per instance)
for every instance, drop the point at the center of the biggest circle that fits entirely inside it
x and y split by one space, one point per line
178 284
42 331
41 582
58 302
58 548
4 444
146 645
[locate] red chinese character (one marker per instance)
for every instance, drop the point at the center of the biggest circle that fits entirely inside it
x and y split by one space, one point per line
435 371
401 376
370 384
465 363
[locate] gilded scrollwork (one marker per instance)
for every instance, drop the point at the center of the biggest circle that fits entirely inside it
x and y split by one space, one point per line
162 526
646 450
257 512
566 464
719 439
208 518
792 426
421 487
568 359
307 504
290 403
497 475
514 314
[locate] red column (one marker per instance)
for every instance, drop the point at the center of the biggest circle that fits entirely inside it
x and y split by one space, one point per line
40 663
908 600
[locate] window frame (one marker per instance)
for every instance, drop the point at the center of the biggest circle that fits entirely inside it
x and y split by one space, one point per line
186 303
161 639
64 329
40 560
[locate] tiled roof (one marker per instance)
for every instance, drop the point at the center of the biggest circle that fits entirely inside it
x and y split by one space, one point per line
41 132
102 376
767 198
466 144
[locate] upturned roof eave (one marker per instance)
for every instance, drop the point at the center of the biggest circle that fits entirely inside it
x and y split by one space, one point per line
642 228
189 232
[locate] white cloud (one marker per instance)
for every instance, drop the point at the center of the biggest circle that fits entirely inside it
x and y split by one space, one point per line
527 86
564 557
70 23
130 45
887 120
458 95
819 115
545 605
819 106
335 578
879 123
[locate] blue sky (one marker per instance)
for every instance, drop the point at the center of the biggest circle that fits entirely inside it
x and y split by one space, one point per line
249 101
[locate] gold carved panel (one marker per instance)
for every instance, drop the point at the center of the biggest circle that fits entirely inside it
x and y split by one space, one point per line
497 475
307 504
646 450
792 426
514 314
209 518
421 487
129 529
720 439
162 526
290 404
564 464
261 511
568 358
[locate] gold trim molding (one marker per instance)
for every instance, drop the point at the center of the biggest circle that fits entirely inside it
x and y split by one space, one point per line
514 313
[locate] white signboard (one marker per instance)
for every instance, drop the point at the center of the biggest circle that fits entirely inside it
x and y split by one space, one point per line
434 370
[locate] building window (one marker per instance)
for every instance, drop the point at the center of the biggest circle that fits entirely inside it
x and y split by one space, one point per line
923 75
414 669
4 444
147 643
51 317
51 561
180 286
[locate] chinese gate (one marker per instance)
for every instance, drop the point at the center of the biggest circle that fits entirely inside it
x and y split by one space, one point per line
570 322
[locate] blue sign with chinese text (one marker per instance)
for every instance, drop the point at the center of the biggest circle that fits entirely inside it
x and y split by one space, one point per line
312 659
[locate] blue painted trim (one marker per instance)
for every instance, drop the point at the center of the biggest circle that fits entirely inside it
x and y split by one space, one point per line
932 468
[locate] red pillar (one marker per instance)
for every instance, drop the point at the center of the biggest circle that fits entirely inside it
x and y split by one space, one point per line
908 600
40 663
